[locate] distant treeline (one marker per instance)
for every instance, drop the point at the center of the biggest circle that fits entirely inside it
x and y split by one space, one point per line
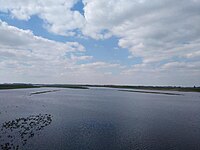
86 86
20 86
16 86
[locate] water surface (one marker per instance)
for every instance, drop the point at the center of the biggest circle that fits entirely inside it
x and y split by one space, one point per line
98 118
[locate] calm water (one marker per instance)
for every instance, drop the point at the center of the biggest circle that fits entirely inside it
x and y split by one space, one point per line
98 119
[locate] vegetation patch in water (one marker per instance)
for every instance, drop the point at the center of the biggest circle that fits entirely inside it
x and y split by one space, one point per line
16 133
42 92
151 92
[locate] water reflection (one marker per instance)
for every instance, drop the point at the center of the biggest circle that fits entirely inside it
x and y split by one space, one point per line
15 134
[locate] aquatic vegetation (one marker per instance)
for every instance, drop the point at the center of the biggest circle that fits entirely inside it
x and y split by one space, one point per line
15 133
151 92
42 92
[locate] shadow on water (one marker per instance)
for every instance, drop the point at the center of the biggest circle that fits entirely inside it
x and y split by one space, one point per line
15 134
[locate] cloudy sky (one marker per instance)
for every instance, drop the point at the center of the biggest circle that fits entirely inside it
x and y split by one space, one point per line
136 42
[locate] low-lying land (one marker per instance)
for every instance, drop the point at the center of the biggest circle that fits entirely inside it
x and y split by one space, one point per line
16 86
72 86
20 86
79 86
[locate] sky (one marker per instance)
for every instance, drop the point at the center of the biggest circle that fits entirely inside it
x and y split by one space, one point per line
132 42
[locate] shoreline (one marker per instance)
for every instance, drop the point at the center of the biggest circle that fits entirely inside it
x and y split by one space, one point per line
87 86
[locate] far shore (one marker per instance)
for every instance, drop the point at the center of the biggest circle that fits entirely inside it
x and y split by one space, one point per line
24 86
87 86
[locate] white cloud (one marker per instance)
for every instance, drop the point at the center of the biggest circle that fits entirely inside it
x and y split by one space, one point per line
154 30
21 39
25 57
79 58
59 17
170 74
21 51
163 33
